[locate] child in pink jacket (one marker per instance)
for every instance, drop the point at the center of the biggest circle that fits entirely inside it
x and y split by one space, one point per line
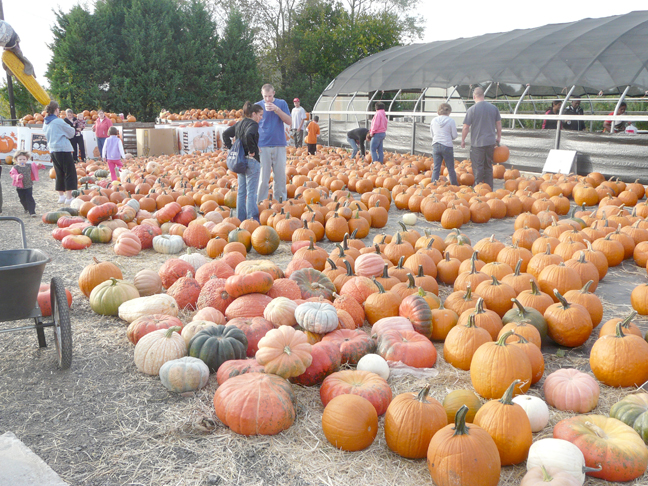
22 175
113 152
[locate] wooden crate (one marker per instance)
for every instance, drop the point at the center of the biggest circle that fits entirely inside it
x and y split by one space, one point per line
129 135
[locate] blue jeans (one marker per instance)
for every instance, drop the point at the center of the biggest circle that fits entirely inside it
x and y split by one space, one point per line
100 143
248 183
356 148
440 153
377 147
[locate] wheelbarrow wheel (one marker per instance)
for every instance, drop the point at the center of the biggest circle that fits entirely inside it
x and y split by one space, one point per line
62 327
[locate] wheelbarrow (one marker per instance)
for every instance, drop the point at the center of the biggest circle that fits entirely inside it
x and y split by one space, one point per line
21 271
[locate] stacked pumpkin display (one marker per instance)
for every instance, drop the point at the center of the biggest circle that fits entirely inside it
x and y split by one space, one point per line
303 322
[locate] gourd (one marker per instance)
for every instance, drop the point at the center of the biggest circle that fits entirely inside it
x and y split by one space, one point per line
184 375
158 347
143 306
108 296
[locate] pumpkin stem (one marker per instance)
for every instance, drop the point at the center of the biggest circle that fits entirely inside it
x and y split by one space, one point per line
332 263
381 289
412 283
287 350
625 323
518 266
401 260
430 243
341 250
502 340
586 287
348 268
598 431
169 332
420 271
534 288
619 331
562 300
521 310
384 237
507 398
422 395
471 321
402 225
460 421
479 307
399 240
377 247
311 247
385 272
468 295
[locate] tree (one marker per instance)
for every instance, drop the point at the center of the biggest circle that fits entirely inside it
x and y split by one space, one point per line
23 101
239 78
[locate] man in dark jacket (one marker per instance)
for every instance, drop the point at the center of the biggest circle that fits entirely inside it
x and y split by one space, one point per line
356 139
574 109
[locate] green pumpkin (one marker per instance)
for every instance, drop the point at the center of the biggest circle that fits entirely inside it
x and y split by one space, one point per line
217 344
633 411
53 216
520 313
106 297
101 173
72 211
235 236
98 234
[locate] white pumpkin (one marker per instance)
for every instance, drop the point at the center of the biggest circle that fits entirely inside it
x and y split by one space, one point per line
536 409
144 306
184 374
281 312
374 363
194 327
317 317
133 203
168 244
194 258
214 217
409 219
560 454
77 203
209 314
158 347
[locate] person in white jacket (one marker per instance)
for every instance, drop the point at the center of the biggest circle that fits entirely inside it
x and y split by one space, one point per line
444 131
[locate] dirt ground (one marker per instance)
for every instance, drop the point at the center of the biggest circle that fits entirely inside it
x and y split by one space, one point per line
102 423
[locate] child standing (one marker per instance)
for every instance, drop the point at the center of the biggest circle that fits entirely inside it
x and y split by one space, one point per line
23 174
313 132
113 152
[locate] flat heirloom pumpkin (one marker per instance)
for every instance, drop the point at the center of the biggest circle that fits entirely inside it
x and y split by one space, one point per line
284 352
184 374
108 296
217 344
255 404
363 383
632 411
144 306
158 347
607 442
317 317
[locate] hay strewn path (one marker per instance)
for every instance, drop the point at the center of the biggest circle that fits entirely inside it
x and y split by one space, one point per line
102 423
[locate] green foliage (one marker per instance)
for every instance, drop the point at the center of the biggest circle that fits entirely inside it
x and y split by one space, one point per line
239 79
23 101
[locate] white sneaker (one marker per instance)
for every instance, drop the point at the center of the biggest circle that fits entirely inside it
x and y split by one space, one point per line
68 201
61 199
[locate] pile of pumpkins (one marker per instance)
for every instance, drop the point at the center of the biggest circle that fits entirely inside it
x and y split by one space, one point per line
204 114
90 116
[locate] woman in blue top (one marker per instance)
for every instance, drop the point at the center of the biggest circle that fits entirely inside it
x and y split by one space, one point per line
58 135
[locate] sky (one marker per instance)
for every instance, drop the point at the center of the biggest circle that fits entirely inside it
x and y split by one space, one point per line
33 19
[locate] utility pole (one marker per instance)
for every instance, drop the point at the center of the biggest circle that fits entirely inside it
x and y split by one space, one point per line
10 93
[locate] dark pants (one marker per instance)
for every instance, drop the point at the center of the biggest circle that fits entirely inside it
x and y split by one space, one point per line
66 176
312 147
100 143
0 191
26 199
482 164
78 148
440 153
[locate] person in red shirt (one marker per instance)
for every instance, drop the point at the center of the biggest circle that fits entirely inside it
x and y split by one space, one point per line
101 127
619 126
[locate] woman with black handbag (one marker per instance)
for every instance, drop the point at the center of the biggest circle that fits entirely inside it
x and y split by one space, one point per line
247 131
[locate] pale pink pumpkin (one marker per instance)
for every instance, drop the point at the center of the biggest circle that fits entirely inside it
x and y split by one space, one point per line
571 390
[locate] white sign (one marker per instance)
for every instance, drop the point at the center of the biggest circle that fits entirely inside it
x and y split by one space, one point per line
191 139
8 141
560 162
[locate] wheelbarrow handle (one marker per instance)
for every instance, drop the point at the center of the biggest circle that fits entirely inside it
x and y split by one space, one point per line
22 228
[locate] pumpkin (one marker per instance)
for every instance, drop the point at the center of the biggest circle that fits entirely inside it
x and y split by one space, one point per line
193 328
411 421
496 363
101 213
375 364
369 265
141 326
76 242
508 425
285 352
265 240
313 283
559 454
158 347
255 282
350 422
627 326
108 296
353 344
417 310
250 266
317 317
536 409
363 383
169 244
216 344
98 234
521 314
147 282
631 410
326 360
174 268
96 273
185 291
408 347
461 454
571 390
442 321
209 314
143 306
458 398
542 476
462 341
216 268
381 304
184 375
254 329
249 305
620 359
281 312
607 442
235 367
568 324
255 404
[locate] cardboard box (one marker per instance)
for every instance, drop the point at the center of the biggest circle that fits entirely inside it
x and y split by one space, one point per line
152 142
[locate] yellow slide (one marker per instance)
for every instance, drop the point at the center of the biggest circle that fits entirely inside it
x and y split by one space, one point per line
16 66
